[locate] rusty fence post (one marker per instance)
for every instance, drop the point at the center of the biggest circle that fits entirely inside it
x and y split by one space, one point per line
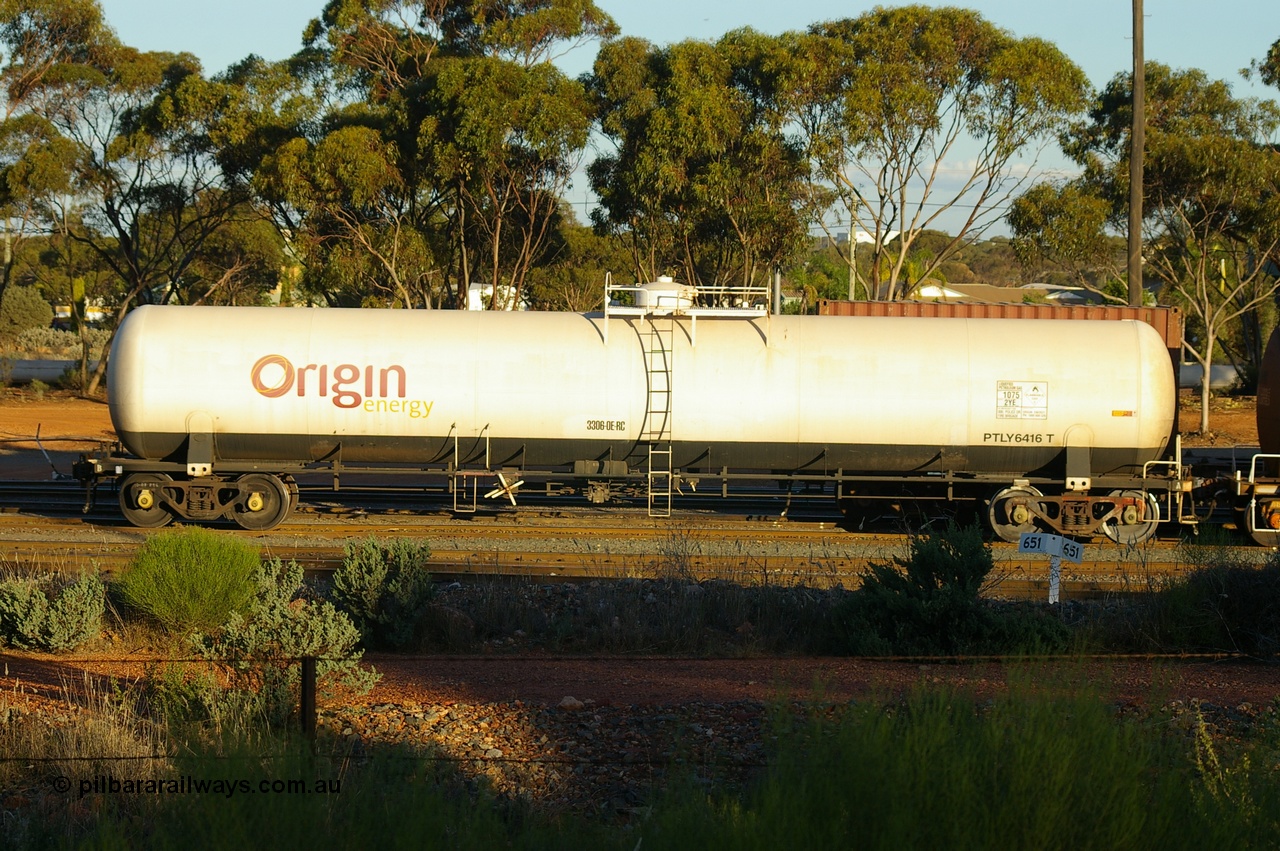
309 697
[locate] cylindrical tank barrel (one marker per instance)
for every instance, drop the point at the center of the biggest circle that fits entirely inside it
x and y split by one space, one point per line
547 389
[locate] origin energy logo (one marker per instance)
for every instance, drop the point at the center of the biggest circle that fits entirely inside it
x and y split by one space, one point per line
348 385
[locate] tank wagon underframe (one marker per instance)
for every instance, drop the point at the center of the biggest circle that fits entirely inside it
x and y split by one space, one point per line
258 495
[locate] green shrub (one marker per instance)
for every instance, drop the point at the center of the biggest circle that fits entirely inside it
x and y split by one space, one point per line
22 308
384 586
930 604
1218 608
190 580
71 379
260 648
51 613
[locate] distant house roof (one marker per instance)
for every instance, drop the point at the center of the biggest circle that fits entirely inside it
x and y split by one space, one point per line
1073 296
984 293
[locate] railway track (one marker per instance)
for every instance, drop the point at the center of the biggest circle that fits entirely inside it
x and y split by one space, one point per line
1019 581
42 526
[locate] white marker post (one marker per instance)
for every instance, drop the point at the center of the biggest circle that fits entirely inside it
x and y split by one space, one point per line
1056 548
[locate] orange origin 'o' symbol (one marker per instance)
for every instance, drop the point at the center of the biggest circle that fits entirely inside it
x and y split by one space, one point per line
285 383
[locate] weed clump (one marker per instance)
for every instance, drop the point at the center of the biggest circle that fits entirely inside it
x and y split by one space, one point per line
930 604
1220 607
190 580
50 612
1030 765
259 650
385 587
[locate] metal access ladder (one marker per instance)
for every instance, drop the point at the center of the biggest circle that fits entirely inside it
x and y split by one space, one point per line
658 314
656 338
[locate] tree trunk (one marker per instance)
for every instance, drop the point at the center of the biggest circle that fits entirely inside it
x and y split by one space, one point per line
99 372
1204 401
1207 365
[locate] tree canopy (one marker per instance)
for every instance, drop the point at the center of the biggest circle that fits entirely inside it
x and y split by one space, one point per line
703 181
914 112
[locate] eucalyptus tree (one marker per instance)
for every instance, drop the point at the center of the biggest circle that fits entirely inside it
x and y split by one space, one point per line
109 147
576 261
143 178
1213 191
49 50
703 179
264 123
1062 226
914 113
323 162
440 141
110 151
1268 68
241 263
52 51
48 44
358 236
326 144
504 139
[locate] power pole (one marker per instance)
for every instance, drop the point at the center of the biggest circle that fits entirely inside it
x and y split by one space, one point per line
1137 142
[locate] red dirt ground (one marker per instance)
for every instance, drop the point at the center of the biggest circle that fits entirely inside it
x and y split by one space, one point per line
44 679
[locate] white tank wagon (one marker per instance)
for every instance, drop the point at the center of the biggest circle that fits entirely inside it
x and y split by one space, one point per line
1051 424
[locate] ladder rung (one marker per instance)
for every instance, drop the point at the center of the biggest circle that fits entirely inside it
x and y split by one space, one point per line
656 343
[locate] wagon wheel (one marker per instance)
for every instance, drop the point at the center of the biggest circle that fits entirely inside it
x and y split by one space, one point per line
263 502
1131 530
1263 536
1009 515
140 501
